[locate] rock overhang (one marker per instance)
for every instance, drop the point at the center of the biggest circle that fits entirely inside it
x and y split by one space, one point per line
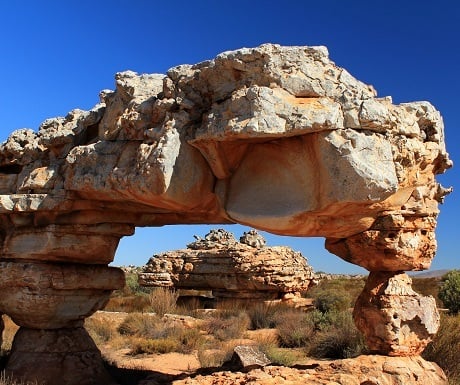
278 138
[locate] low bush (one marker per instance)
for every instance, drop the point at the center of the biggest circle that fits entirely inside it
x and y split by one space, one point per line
263 315
280 356
449 293
189 339
445 348
139 324
336 294
225 326
215 355
100 330
327 301
129 304
163 301
295 328
151 334
154 346
339 339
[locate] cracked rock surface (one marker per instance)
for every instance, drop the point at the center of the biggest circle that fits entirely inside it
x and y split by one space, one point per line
277 138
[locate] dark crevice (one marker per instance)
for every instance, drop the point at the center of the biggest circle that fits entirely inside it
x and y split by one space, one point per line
91 133
11 169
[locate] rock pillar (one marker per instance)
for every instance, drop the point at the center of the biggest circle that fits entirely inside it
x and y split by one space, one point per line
395 320
50 299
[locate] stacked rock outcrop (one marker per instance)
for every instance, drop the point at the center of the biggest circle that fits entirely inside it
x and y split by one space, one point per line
231 269
276 138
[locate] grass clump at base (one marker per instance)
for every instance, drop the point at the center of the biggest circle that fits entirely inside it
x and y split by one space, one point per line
5 380
100 330
264 315
339 339
152 334
445 348
163 301
154 346
227 325
139 324
295 328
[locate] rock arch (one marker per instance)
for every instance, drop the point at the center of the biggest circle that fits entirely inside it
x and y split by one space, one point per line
277 138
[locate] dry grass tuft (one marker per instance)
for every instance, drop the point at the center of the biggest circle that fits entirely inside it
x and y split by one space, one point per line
5 380
226 326
163 301
445 348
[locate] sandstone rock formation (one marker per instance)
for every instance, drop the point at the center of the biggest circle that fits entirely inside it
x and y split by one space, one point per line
394 318
231 269
363 370
276 138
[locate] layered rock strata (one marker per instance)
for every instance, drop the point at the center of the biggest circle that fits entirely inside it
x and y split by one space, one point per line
276 138
231 269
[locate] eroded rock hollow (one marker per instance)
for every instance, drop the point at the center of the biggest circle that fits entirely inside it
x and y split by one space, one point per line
276 138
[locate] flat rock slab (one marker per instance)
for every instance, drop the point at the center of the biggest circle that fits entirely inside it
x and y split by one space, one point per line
368 370
246 357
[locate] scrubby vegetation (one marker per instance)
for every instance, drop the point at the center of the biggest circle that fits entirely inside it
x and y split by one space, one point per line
450 291
4 380
288 336
445 348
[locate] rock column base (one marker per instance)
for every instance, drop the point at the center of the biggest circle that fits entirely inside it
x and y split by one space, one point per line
57 357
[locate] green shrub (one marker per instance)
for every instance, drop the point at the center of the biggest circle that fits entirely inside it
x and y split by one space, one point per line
339 339
263 315
329 301
280 356
445 347
337 294
450 291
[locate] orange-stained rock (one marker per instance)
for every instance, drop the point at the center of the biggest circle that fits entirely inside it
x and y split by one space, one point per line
57 357
368 370
231 269
52 296
393 243
394 319
276 138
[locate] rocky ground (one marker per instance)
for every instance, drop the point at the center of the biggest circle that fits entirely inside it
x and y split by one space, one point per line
185 369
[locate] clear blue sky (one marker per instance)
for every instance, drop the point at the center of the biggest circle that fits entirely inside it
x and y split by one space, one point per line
58 55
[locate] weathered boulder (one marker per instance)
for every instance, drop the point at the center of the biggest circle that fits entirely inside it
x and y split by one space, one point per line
394 318
246 358
231 269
